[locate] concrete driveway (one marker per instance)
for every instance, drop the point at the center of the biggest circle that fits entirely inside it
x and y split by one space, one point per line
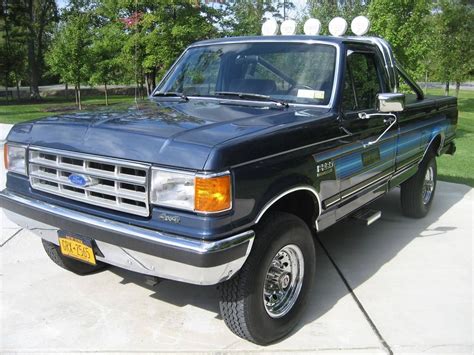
400 285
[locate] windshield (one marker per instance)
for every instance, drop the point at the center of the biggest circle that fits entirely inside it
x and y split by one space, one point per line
292 72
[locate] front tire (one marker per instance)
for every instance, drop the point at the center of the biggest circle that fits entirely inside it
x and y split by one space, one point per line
69 264
265 300
417 192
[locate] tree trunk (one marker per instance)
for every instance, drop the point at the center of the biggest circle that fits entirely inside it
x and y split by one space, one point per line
33 70
79 96
426 82
150 79
18 89
153 80
66 94
75 95
446 88
6 92
106 95
458 86
36 25
147 81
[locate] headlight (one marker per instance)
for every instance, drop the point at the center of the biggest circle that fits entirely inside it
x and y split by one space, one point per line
191 192
15 158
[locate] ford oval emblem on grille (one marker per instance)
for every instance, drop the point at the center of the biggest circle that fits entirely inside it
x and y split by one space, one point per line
80 180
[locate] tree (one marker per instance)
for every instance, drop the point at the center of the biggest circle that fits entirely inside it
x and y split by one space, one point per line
171 29
105 50
156 33
403 24
70 55
245 17
326 10
453 44
37 19
12 49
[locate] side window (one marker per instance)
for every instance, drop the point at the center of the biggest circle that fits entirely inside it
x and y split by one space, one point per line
405 88
361 83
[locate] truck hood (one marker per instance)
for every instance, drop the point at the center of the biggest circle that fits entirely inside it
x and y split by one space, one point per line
171 134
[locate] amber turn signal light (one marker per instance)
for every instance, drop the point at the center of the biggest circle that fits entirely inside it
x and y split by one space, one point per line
212 194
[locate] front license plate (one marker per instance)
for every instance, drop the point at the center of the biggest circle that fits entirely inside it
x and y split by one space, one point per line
77 249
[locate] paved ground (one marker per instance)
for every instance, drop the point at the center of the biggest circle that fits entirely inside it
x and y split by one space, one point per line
401 284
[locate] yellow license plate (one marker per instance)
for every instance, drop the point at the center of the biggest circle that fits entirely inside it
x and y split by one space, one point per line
76 249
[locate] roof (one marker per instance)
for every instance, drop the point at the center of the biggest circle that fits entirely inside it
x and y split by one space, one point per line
294 38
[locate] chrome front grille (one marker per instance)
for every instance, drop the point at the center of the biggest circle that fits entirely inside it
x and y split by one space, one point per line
112 183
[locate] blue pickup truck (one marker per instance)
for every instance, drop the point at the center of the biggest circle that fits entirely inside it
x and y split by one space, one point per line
246 149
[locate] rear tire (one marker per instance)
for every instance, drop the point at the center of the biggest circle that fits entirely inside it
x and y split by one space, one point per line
69 264
417 192
265 300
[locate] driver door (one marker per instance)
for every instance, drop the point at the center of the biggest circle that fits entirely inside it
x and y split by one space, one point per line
363 169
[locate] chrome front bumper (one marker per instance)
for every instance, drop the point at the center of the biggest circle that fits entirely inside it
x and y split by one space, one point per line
135 248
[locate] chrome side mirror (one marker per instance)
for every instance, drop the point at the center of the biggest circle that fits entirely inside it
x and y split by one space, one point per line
390 102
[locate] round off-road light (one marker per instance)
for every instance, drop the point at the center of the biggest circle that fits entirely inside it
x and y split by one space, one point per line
337 26
312 27
288 27
270 28
360 25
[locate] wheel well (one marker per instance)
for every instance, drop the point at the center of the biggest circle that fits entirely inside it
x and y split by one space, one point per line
300 203
435 144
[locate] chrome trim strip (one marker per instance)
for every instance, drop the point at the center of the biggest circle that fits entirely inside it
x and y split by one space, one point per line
183 243
99 158
290 151
50 175
386 51
403 169
363 187
287 192
332 203
149 264
441 145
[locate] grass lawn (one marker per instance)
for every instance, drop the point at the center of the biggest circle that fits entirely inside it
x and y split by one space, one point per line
25 111
458 168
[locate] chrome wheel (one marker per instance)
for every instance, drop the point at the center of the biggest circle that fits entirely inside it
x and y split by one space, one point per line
428 185
283 281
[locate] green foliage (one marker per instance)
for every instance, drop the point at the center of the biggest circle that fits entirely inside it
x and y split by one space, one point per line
325 10
245 17
70 56
94 43
106 46
26 30
168 30
460 167
404 24
12 47
453 40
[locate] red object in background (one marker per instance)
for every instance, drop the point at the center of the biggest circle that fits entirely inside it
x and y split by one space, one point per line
132 20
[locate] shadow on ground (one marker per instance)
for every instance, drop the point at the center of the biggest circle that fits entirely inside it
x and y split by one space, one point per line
362 249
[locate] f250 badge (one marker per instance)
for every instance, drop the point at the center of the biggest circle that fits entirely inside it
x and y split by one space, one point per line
167 218
325 168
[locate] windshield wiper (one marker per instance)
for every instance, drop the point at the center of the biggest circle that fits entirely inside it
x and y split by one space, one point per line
250 96
171 94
